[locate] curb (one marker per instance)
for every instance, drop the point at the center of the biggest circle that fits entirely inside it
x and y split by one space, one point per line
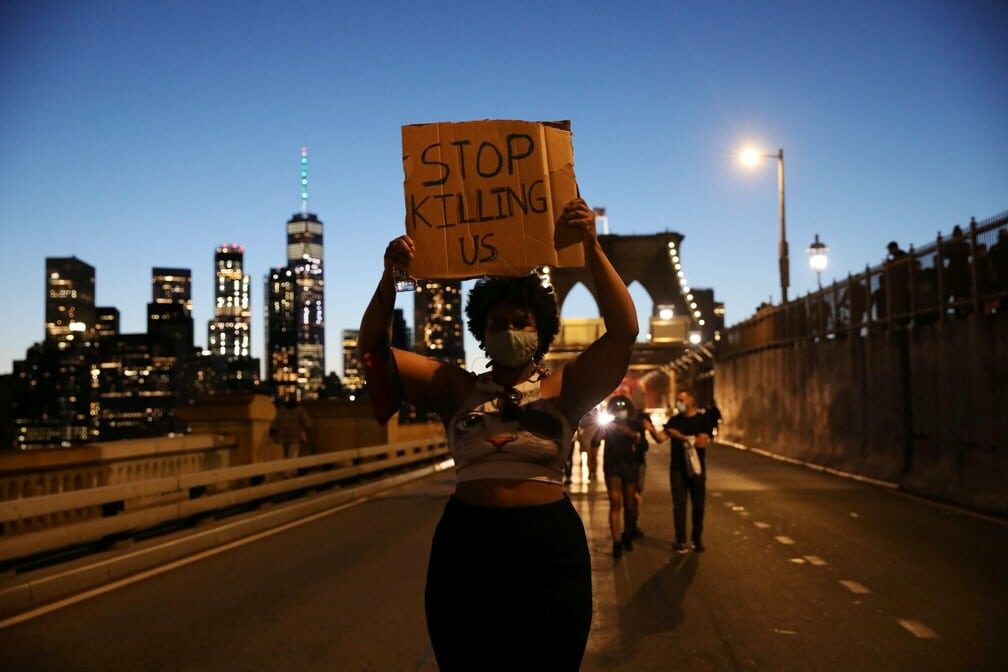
18 598
810 465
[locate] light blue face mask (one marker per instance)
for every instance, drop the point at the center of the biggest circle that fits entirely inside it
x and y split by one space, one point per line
511 348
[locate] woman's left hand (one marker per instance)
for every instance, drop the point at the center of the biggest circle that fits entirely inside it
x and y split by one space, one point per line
578 215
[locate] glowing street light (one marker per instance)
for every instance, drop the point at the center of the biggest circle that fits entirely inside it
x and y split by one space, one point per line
750 157
817 258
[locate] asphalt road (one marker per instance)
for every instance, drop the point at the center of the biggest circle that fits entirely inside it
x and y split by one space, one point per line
804 571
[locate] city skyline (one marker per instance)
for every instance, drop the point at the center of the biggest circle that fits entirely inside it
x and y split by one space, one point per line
889 117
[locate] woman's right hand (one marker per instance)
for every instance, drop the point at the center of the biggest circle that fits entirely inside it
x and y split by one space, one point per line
399 253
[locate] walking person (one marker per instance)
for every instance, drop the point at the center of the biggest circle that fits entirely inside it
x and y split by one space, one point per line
690 429
509 574
622 435
586 429
290 427
642 448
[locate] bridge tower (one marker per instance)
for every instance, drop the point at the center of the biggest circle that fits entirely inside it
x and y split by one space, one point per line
678 311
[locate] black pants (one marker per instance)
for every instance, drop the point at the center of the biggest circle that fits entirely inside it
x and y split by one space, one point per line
696 487
509 588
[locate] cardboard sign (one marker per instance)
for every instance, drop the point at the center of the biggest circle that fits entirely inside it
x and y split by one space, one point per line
484 197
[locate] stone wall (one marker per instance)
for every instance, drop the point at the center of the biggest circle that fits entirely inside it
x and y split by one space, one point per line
926 408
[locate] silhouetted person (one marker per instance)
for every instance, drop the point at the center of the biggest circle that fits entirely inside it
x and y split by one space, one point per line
856 298
290 427
897 277
955 254
998 257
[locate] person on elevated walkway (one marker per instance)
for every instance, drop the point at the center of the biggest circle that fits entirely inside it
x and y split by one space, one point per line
509 574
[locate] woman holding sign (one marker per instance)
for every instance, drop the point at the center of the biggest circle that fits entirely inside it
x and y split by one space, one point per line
509 576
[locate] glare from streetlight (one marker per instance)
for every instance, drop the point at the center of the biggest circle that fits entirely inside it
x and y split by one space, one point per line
818 262
817 252
695 337
750 156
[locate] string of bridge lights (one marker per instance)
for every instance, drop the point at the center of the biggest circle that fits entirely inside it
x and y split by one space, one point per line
684 288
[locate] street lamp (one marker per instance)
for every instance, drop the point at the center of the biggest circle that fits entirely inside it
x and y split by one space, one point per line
751 157
817 258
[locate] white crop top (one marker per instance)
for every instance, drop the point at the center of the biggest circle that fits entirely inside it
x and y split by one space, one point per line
493 437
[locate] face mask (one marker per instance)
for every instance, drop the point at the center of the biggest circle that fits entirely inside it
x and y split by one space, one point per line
680 406
621 415
511 348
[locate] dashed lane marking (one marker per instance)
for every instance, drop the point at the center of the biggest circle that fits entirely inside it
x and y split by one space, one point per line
784 540
798 561
760 524
855 587
815 560
918 629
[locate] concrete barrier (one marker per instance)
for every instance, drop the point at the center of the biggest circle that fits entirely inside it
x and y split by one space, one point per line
925 407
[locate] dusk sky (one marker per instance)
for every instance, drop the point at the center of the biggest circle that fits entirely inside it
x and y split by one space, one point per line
141 134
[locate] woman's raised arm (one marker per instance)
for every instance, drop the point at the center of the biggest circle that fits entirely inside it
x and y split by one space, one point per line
596 372
426 382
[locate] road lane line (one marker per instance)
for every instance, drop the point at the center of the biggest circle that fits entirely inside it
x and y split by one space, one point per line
784 540
855 587
815 560
918 629
761 525
94 592
890 486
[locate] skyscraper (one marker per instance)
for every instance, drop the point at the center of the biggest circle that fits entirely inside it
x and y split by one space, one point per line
169 314
304 258
228 330
172 286
296 305
281 332
402 335
70 299
353 374
106 322
437 320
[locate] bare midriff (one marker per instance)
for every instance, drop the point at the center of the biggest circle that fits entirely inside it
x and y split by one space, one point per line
502 492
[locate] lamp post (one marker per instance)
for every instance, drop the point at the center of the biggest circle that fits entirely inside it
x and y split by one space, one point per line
817 258
751 157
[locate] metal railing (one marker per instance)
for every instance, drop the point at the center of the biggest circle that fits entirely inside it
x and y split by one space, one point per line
197 494
950 278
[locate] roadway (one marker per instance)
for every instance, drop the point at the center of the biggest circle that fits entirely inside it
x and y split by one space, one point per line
803 571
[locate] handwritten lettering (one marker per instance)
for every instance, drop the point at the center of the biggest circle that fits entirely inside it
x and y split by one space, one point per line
479 241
